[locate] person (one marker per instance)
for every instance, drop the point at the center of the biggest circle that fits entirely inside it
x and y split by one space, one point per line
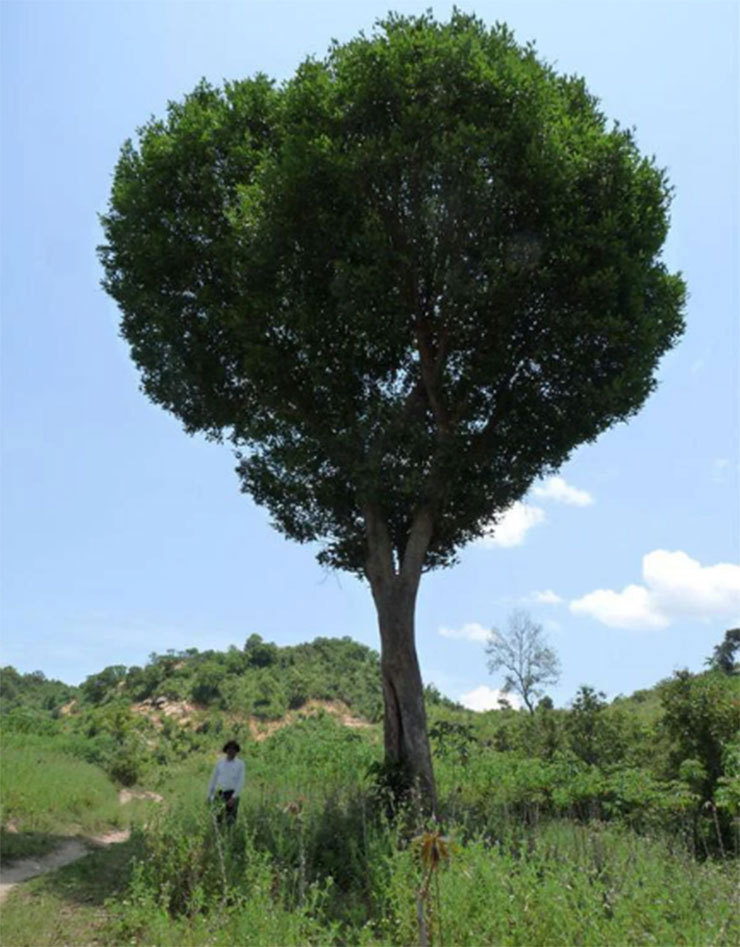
228 781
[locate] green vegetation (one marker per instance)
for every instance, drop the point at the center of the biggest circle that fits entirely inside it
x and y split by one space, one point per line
600 823
67 906
46 793
33 692
260 680
316 858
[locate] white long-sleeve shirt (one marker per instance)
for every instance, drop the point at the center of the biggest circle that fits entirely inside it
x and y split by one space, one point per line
227 774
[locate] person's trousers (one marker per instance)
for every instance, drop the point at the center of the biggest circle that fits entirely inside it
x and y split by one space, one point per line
229 813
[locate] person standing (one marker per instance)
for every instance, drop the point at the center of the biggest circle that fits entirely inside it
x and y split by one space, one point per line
228 781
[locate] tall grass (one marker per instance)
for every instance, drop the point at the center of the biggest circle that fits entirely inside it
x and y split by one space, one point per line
556 883
563 883
314 859
43 791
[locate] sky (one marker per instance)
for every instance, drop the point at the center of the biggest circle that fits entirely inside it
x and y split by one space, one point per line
121 535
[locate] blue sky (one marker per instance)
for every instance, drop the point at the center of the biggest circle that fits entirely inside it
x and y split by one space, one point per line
121 535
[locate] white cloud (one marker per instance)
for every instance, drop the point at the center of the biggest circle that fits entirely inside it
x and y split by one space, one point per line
555 488
683 587
630 608
548 597
675 587
513 525
470 632
487 698
720 470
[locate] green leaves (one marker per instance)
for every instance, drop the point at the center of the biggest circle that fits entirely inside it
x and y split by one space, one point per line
417 274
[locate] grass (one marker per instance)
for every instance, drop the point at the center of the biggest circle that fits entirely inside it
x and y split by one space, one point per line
17 845
559 884
314 860
43 789
567 884
47 795
68 905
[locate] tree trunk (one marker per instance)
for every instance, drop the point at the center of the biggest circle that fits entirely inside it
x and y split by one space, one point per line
394 592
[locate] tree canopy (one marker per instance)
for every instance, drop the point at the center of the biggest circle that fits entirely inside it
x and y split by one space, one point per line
404 283
723 656
416 275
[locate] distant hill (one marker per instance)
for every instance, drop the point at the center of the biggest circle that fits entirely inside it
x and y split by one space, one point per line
262 680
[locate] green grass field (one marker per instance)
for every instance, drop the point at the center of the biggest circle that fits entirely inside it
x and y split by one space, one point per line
46 793
314 859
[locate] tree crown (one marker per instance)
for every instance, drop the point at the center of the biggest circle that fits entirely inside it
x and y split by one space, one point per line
414 276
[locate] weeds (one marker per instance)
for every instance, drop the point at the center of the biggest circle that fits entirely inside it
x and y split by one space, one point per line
434 850
46 794
326 864
318 857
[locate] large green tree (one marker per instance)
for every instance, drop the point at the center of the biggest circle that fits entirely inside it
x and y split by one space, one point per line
404 284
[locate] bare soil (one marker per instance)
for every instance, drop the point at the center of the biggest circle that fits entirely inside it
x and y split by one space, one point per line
261 730
69 852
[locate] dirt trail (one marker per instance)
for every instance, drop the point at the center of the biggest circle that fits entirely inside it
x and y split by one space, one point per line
68 852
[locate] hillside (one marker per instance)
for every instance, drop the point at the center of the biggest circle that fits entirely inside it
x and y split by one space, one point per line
622 815
262 682
132 720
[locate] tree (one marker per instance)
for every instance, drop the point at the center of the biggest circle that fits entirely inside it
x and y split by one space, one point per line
404 284
595 736
701 718
98 687
260 654
522 651
723 657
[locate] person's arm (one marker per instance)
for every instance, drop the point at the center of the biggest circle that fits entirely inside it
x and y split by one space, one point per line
240 780
212 784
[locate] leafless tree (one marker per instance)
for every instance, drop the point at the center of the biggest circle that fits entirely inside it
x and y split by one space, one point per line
524 653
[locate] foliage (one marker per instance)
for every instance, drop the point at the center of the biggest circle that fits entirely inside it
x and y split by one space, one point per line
420 271
33 692
525 655
615 851
45 791
317 850
723 658
263 679
593 736
701 715
97 687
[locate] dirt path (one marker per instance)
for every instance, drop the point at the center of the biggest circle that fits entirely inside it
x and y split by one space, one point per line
69 851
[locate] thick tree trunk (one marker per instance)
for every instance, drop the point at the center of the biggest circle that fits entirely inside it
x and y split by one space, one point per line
394 592
405 721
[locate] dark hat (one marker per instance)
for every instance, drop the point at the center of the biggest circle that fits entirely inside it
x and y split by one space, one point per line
231 743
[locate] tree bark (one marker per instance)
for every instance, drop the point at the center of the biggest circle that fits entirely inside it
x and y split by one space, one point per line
394 592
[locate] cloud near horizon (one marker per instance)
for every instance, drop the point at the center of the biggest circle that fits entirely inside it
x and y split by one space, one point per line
675 587
488 698
470 632
548 597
